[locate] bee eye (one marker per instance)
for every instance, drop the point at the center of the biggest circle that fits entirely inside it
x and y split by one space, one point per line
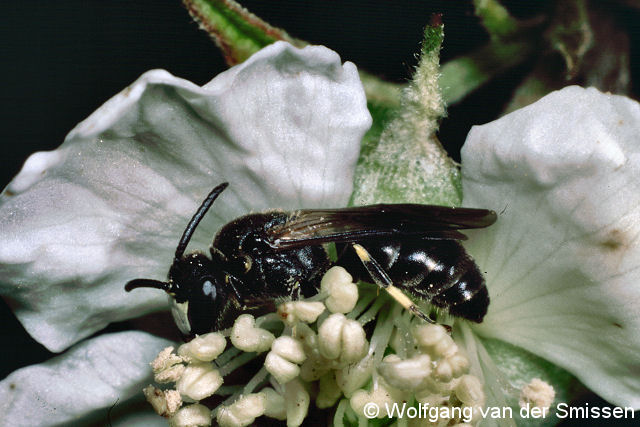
209 289
247 264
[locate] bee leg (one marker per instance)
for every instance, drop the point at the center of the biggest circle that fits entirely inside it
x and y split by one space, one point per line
234 295
296 292
382 279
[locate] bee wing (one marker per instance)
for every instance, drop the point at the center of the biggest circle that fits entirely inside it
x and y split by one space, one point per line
317 226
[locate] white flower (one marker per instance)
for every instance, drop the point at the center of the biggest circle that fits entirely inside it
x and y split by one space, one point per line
110 204
562 262
284 128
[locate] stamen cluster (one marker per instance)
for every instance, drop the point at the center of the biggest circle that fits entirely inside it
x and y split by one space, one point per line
342 348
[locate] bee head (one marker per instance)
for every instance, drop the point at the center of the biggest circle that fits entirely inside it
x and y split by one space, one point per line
194 283
194 290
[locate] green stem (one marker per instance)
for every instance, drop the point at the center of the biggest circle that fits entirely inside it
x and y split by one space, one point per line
371 314
258 378
463 75
363 303
239 361
338 418
225 357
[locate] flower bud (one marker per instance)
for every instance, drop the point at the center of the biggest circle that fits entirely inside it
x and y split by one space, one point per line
329 336
281 369
199 380
283 359
297 402
434 340
342 337
247 337
274 404
470 391
443 371
191 416
242 412
354 342
204 348
537 393
293 312
329 392
343 293
289 348
408 374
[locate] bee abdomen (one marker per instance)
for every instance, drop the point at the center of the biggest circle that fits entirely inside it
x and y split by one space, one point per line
467 296
436 271
451 279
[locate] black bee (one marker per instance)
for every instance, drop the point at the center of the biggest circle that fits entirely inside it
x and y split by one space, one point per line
259 259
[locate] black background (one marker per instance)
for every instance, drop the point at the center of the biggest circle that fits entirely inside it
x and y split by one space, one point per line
63 59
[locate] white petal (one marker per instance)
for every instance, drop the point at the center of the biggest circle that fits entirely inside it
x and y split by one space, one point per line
110 204
563 260
93 376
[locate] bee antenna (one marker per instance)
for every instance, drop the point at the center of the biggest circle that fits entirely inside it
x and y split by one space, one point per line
191 227
146 283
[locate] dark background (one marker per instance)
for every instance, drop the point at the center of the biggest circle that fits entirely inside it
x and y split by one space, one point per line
63 59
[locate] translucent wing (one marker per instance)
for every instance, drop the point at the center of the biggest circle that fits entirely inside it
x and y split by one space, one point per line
317 226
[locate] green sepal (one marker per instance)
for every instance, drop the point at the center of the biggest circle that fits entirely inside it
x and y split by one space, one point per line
401 160
237 32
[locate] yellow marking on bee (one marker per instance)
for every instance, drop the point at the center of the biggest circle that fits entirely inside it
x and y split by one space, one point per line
362 253
397 295
382 279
